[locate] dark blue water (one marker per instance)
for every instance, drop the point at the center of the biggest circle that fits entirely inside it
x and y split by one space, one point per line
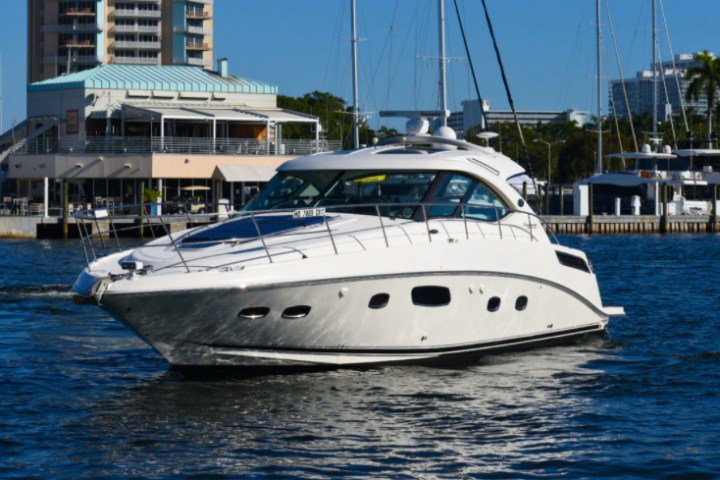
82 397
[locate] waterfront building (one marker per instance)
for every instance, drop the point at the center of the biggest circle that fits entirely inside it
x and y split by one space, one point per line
66 36
670 78
471 117
109 132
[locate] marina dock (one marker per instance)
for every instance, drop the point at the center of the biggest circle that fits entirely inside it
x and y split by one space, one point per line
615 224
51 227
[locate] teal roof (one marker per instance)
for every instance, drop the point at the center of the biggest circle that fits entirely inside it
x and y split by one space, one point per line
141 77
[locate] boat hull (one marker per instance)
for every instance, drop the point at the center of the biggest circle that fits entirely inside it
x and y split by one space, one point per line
333 323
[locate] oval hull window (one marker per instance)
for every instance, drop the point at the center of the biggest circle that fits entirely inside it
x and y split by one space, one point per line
431 296
493 304
379 301
298 311
521 303
253 313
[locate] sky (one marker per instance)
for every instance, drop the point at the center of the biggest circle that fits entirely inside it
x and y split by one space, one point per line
548 48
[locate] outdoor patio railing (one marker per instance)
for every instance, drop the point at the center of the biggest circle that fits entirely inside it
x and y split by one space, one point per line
178 145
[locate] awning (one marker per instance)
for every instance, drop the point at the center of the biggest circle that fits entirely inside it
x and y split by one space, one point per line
210 112
155 113
284 116
230 115
244 173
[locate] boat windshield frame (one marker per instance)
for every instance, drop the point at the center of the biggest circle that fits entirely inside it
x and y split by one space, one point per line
355 189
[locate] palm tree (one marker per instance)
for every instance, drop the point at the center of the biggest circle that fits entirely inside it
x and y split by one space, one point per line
704 79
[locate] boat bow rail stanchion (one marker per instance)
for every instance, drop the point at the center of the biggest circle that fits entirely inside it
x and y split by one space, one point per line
95 243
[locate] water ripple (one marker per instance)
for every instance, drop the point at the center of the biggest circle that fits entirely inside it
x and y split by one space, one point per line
82 397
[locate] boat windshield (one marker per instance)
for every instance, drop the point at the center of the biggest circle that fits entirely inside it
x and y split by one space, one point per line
402 191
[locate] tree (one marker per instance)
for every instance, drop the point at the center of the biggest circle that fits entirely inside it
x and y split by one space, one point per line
704 79
326 106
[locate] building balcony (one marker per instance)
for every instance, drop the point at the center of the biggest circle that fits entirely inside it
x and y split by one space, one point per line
197 14
136 45
205 2
78 12
72 28
198 62
78 44
136 14
196 30
135 29
198 46
135 61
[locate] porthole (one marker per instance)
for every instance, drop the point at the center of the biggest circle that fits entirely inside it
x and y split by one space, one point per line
431 296
493 304
298 311
379 300
253 313
521 302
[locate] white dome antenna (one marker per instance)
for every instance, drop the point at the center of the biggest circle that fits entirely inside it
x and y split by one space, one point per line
417 126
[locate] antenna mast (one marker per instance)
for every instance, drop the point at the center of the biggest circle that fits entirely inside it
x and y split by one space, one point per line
599 162
356 109
654 71
443 63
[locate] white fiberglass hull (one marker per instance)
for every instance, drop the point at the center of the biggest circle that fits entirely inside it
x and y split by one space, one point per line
204 327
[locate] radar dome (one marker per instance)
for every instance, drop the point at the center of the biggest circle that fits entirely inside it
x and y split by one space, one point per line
444 132
417 126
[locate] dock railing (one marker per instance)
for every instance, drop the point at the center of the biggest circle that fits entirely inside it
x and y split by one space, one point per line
105 230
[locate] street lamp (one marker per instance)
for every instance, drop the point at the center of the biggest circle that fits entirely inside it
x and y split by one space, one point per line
547 188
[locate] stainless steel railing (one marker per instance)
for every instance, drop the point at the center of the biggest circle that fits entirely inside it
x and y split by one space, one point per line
104 230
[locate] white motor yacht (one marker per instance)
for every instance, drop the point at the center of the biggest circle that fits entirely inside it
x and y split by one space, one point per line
639 187
417 250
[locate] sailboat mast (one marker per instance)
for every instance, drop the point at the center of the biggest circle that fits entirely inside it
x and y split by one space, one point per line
654 70
443 63
599 162
356 110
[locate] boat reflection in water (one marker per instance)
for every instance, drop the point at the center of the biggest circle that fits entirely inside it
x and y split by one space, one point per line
512 410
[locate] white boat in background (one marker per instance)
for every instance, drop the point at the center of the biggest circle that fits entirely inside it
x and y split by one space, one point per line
638 189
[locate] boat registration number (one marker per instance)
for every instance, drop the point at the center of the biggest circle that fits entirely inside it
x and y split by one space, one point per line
309 212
